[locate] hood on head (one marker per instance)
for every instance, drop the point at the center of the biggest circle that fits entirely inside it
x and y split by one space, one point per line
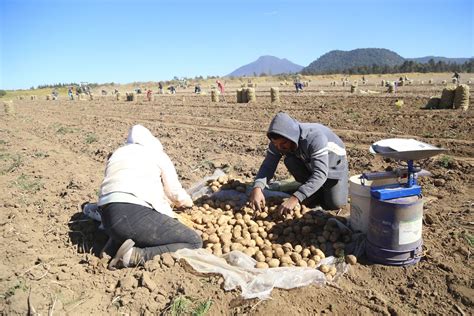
139 134
286 126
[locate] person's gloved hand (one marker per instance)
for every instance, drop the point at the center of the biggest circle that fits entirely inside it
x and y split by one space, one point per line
257 199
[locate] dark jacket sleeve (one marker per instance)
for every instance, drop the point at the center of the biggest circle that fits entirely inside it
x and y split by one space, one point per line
318 162
268 167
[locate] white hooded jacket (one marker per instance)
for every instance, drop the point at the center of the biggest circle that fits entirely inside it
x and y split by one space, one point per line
142 173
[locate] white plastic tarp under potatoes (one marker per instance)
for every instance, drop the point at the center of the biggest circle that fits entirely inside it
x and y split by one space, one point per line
239 270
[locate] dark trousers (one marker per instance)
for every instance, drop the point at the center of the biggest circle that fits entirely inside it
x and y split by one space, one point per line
153 233
331 196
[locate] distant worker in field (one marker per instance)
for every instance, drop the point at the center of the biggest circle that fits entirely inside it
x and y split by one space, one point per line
457 76
298 85
220 86
197 88
314 155
149 94
172 89
160 87
70 93
136 198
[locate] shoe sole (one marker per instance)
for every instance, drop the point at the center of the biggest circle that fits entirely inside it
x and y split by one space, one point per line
126 246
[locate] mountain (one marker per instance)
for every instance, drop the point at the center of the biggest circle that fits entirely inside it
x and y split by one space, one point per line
338 60
424 60
268 65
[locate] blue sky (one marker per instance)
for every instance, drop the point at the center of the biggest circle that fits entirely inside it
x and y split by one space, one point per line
49 41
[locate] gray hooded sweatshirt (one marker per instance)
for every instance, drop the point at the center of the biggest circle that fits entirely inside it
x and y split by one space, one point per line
322 151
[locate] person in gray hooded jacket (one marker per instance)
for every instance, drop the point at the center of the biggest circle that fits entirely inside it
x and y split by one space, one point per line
315 157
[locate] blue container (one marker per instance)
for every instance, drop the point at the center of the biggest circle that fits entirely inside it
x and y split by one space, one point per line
394 231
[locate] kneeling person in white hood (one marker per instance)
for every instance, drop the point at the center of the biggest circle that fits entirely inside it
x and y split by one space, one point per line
135 200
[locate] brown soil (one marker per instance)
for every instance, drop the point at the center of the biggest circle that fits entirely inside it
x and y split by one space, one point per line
52 158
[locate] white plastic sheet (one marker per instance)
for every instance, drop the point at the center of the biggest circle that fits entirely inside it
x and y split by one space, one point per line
238 270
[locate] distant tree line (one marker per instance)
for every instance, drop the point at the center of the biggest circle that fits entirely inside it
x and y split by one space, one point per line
71 84
405 67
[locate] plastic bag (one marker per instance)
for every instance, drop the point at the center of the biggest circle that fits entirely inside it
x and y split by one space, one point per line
238 270
201 188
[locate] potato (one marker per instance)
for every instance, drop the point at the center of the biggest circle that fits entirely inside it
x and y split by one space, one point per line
213 238
226 249
217 252
305 253
339 252
286 259
324 268
226 238
236 234
326 234
311 263
322 247
273 237
263 234
316 258
285 265
236 246
287 245
259 241
301 263
259 256
238 216
261 265
287 230
273 263
334 236
279 252
268 253
298 248
210 231
332 271
253 229
222 220
214 188
295 256
246 218
351 259
254 236
305 230
263 215
296 228
321 239
250 251
329 277
222 179
204 237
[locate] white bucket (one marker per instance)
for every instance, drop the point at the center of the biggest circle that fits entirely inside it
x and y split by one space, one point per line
360 201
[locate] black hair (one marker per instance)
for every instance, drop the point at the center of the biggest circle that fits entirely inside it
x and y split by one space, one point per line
272 135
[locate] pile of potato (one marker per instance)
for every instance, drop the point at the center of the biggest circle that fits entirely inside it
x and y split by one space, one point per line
301 238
